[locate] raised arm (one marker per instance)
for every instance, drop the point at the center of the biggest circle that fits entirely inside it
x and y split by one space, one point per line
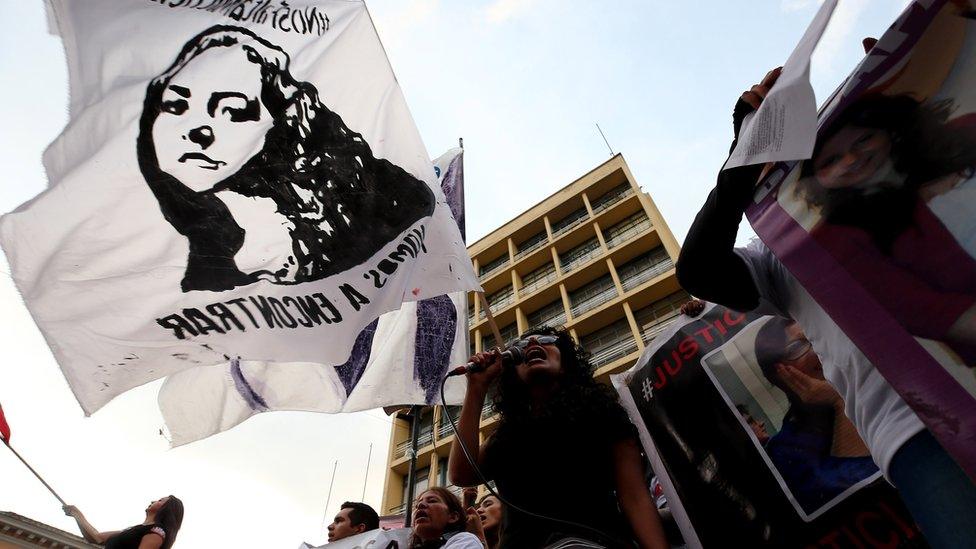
89 532
708 266
459 470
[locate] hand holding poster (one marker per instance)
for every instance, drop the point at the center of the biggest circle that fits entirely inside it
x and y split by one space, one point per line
879 226
235 181
735 409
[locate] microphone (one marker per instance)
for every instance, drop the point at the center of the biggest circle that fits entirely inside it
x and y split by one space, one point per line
510 357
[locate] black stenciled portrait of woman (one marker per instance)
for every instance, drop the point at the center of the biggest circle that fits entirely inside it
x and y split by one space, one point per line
255 133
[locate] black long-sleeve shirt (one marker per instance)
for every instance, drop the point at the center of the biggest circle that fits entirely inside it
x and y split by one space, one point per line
708 266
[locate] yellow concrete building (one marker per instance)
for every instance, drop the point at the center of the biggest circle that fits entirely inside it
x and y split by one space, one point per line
596 257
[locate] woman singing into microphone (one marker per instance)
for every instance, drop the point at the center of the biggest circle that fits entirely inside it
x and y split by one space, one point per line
555 417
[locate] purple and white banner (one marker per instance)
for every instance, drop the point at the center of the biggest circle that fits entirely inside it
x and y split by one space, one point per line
880 224
237 179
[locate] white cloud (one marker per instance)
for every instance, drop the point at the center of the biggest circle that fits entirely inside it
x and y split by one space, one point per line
839 35
500 11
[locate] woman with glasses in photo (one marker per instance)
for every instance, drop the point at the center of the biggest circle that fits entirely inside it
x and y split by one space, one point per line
556 422
817 449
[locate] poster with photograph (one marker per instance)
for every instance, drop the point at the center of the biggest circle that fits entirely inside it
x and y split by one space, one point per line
751 443
879 225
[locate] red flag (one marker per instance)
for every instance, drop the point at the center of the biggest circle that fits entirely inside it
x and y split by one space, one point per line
4 428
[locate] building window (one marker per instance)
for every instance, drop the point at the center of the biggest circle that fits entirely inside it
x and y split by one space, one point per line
644 267
442 472
421 482
538 278
627 229
531 244
567 223
579 255
489 268
553 314
610 343
611 197
654 318
592 295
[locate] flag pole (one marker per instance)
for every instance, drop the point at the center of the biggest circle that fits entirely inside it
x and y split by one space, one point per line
44 482
365 478
491 321
328 499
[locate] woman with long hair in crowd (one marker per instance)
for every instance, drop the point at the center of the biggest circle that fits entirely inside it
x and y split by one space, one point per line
555 419
163 520
439 521
490 513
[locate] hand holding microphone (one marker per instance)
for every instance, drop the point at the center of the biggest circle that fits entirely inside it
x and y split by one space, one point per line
483 368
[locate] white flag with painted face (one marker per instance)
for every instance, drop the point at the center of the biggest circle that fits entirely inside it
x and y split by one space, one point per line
237 179
399 359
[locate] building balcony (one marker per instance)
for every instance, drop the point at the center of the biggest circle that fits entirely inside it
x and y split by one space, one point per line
636 279
492 270
569 223
397 509
424 439
607 201
530 246
592 302
613 351
615 238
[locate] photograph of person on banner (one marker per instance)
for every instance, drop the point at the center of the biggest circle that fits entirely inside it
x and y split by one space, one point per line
770 376
889 190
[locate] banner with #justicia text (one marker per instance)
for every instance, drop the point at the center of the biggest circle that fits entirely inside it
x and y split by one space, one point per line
748 452
237 180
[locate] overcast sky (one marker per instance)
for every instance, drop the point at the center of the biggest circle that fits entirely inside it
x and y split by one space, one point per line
523 82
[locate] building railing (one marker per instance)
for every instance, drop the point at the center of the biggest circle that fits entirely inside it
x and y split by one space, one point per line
538 283
531 247
580 260
488 409
398 509
563 229
640 277
594 301
553 320
616 238
609 353
606 202
490 272
444 429
652 330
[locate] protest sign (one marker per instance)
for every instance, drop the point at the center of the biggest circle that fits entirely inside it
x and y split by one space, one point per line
751 443
879 225
237 179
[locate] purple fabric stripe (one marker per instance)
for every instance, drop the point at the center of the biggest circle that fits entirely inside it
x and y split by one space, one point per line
253 399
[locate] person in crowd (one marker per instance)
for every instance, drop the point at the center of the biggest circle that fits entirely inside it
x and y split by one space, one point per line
163 520
937 492
554 417
817 449
758 427
490 510
353 518
440 521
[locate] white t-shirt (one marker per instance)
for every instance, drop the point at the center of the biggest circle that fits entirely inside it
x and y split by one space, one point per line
463 540
882 418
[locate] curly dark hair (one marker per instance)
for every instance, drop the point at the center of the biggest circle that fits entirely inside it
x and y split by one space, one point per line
923 148
579 395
